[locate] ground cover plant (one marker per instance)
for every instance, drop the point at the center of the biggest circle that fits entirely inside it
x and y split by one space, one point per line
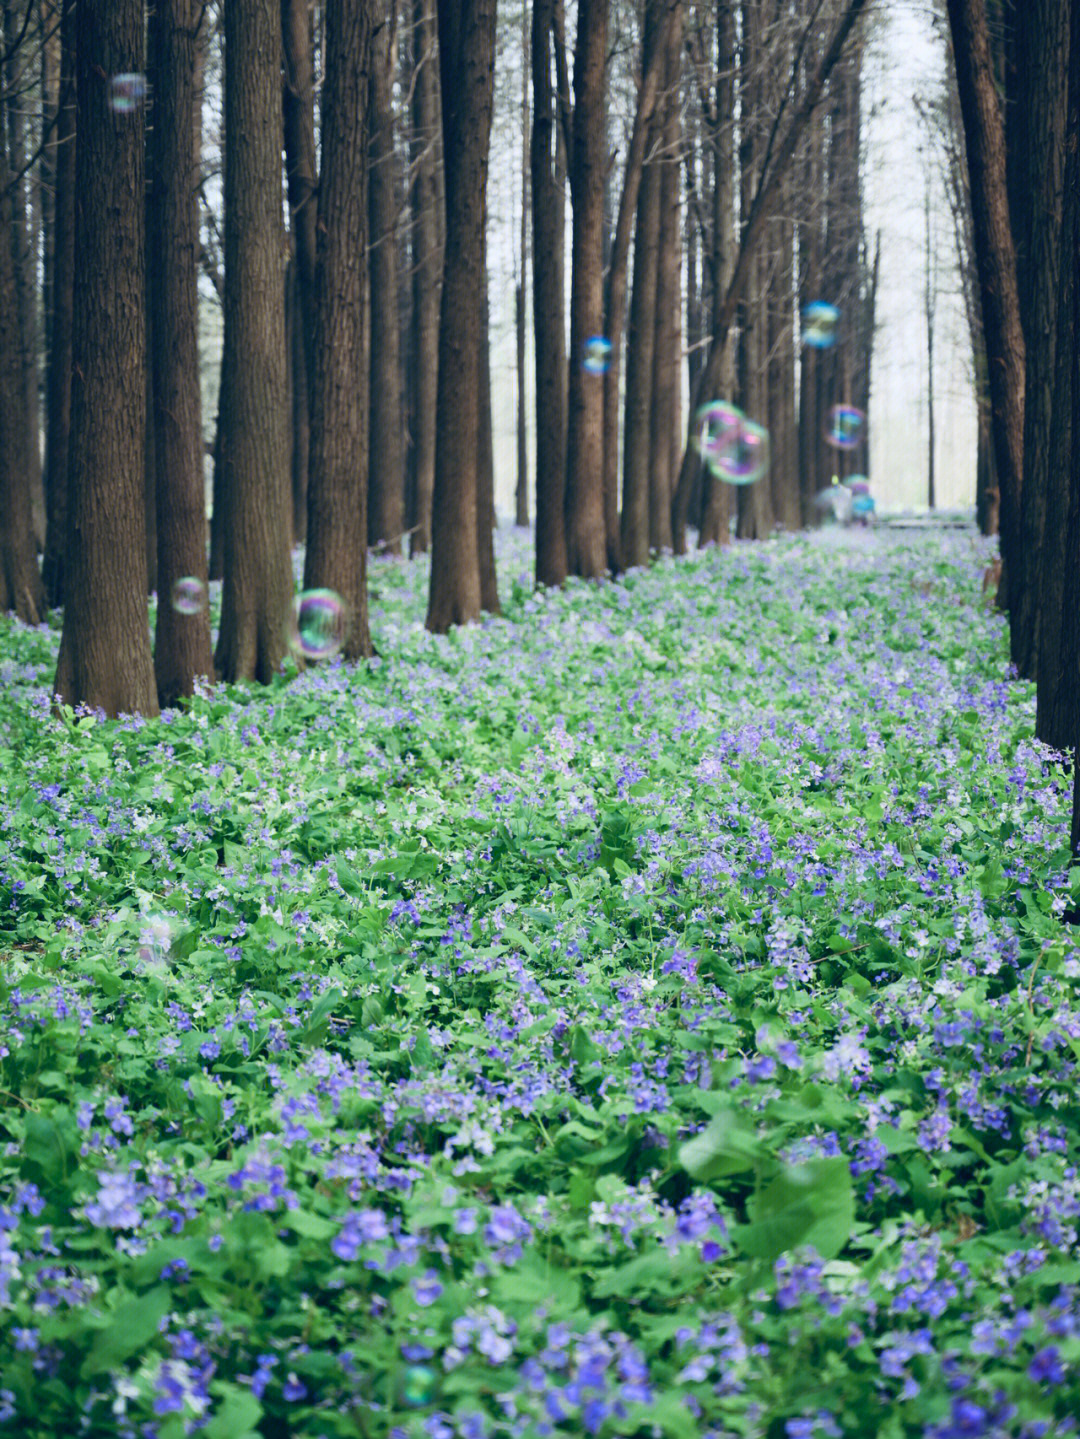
648 1013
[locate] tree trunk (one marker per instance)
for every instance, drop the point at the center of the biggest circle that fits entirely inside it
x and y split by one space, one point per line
254 421
182 639
638 413
521 492
485 514
104 659
298 111
426 273
58 404
336 557
386 471
667 351
25 256
586 541
467 73
754 511
548 306
996 260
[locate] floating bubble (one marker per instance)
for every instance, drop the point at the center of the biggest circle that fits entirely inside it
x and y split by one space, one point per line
838 499
819 322
126 93
845 426
189 596
863 506
858 484
746 459
320 624
597 358
155 940
417 1386
716 427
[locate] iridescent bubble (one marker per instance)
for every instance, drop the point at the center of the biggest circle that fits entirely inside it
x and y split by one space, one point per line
320 624
597 357
819 322
126 93
858 484
746 459
845 426
155 940
863 506
189 596
716 428
417 1386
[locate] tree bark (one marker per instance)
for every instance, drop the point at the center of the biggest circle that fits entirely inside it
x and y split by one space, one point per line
25 261
548 305
386 471
586 541
298 112
58 403
638 411
336 557
104 659
521 492
182 640
996 260
467 73
426 274
753 509
485 513
254 421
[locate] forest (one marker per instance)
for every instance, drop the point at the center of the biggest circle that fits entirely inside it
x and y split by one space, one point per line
608 966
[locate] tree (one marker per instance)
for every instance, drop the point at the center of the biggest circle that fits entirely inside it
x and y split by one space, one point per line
586 543
58 375
386 471
254 422
336 556
995 255
548 301
182 640
104 658
426 200
467 72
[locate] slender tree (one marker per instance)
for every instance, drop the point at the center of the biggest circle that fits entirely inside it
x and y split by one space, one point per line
548 303
336 556
586 542
105 658
521 490
426 275
182 639
467 72
58 401
254 423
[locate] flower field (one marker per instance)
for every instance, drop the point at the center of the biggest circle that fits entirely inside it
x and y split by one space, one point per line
648 1013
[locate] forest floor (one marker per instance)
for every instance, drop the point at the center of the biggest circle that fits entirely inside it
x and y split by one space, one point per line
647 1013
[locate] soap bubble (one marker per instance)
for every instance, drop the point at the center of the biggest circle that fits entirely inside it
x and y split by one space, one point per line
126 93
837 498
746 459
155 940
819 322
716 428
189 596
858 484
863 506
845 426
597 359
320 624
417 1386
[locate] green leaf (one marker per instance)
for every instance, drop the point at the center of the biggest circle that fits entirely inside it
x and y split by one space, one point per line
127 1329
809 1204
725 1146
46 1144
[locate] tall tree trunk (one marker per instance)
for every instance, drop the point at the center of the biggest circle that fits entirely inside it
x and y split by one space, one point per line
25 260
58 401
754 511
336 557
182 639
548 303
467 73
667 352
485 513
996 261
586 541
426 273
641 337
521 492
783 478
386 471
254 422
104 659
298 111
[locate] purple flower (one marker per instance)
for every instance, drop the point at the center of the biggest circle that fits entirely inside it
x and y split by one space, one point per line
117 1203
1046 1367
427 1289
